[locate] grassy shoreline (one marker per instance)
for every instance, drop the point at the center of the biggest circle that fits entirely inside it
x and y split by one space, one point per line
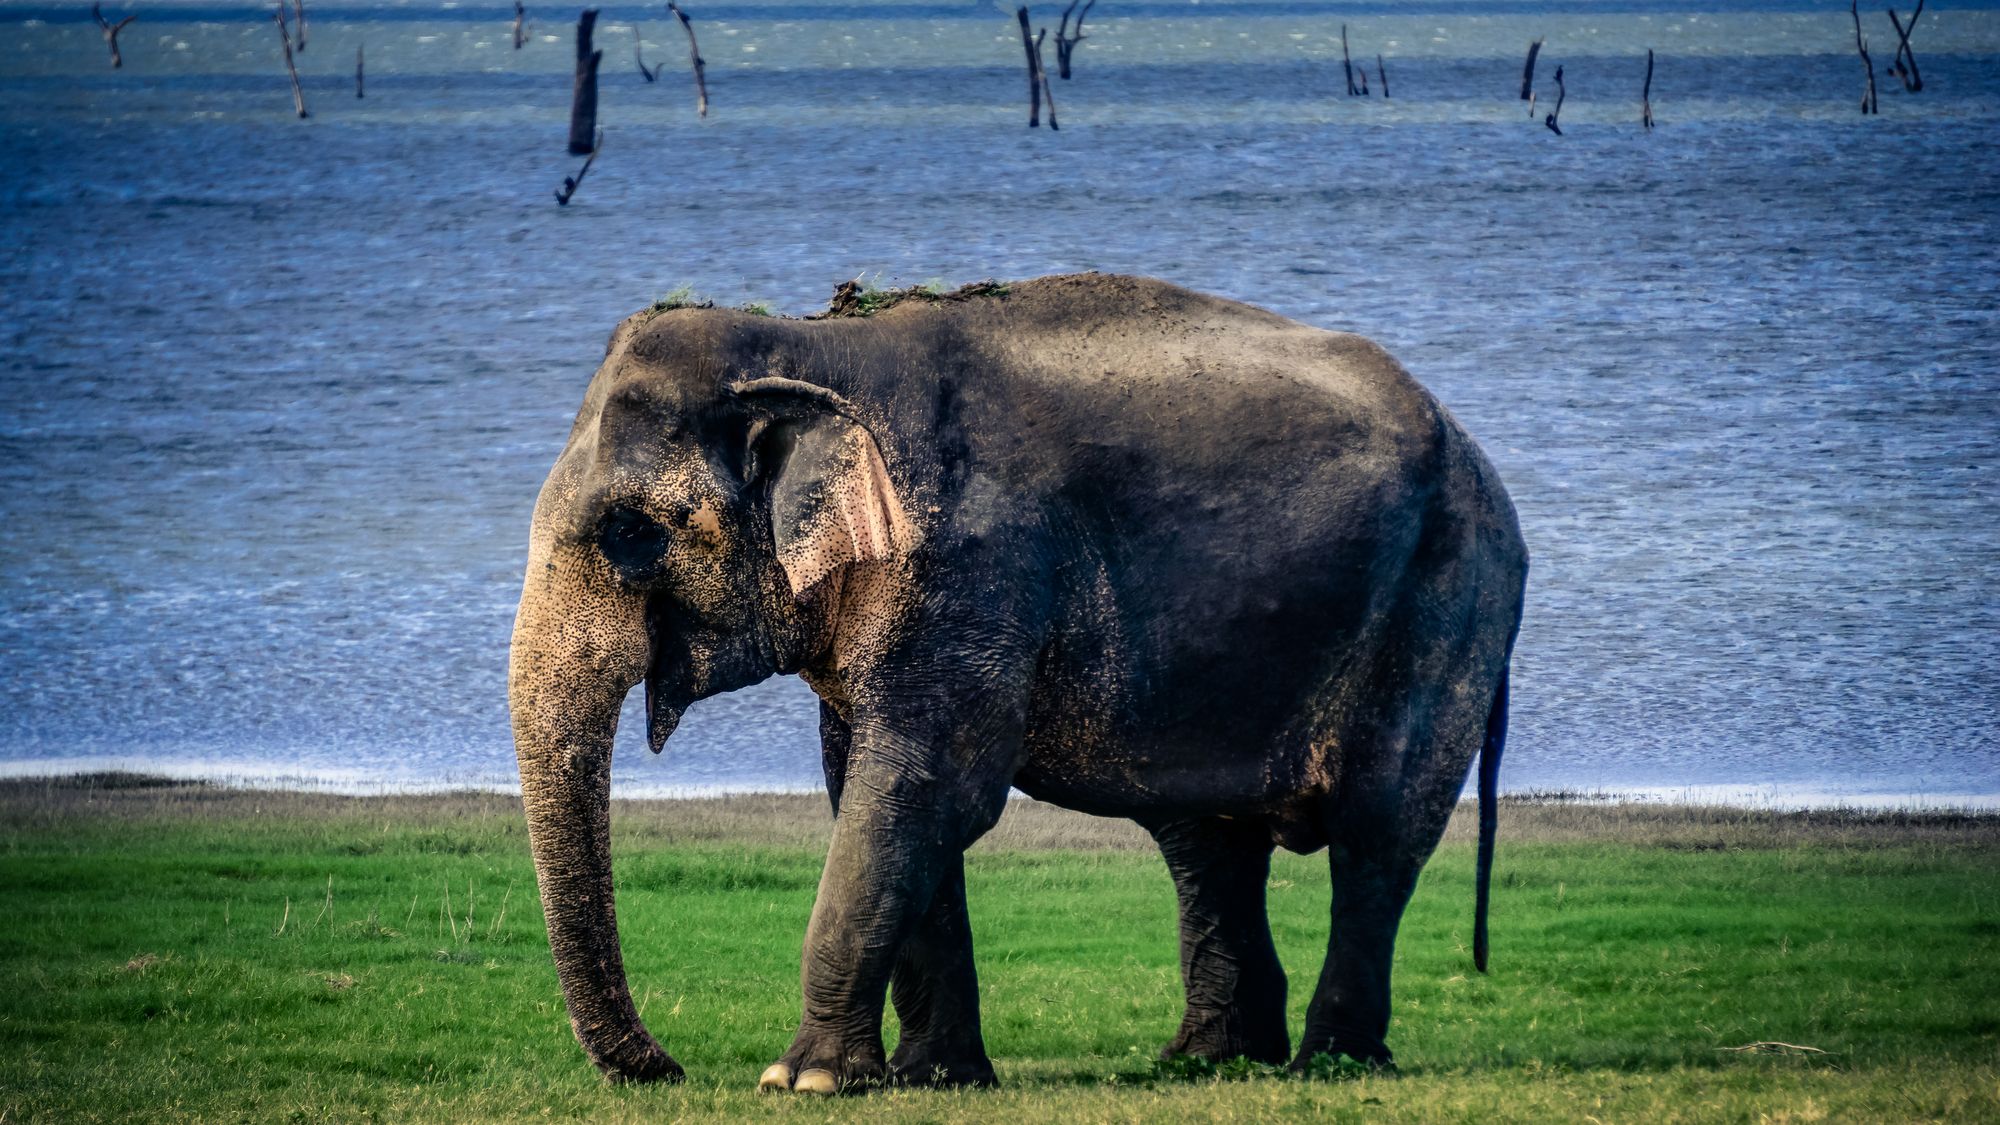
191 952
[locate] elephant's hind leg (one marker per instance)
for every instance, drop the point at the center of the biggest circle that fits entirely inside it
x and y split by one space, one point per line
936 993
1235 985
1349 1014
1388 818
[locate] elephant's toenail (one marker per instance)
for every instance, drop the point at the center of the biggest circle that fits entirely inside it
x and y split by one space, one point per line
816 1081
777 1076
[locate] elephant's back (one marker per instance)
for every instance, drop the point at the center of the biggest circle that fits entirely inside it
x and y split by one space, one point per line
1204 398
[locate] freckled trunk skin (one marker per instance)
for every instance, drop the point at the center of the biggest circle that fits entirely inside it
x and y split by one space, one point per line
565 686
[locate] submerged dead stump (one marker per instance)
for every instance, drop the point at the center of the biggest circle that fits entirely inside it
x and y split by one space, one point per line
583 92
520 25
358 90
111 30
298 25
1382 72
1551 120
1528 75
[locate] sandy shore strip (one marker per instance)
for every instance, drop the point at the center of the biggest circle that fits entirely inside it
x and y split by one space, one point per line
803 819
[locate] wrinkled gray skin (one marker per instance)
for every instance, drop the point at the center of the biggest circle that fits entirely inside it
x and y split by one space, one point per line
1135 550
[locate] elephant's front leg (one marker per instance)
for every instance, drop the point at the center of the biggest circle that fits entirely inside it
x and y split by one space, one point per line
935 987
909 807
936 992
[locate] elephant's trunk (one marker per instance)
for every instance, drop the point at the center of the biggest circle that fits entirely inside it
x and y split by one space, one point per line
579 646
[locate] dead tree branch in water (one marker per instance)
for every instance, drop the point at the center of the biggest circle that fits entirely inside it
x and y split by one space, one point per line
111 31
285 37
1347 62
1550 120
358 88
583 91
1906 59
520 25
571 183
1646 95
1868 103
694 56
1033 51
639 55
1528 75
299 28
1067 38
1382 72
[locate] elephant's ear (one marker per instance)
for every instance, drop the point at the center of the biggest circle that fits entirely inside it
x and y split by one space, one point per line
832 502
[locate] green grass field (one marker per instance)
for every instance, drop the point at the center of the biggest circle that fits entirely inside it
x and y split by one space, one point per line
194 953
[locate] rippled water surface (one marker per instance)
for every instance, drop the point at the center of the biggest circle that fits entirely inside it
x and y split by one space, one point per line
276 396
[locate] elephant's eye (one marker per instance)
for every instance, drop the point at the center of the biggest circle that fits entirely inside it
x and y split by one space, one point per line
634 542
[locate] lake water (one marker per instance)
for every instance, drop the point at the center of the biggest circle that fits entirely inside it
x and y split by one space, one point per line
276 395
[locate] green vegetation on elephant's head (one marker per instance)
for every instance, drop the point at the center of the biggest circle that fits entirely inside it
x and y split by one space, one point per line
679 297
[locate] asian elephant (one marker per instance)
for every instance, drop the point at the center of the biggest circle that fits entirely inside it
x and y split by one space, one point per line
1127 548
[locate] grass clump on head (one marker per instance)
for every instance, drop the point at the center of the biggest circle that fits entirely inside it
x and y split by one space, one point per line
679 297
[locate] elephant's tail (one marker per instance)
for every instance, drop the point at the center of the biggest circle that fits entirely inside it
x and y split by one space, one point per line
1489 814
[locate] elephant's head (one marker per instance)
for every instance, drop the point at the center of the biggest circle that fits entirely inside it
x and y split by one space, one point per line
691 538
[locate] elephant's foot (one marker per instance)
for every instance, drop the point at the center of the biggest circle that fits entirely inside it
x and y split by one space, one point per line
937 1065
820 1062
1373 1054
1226 1034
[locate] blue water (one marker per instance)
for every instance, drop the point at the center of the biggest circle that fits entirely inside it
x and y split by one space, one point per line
276 396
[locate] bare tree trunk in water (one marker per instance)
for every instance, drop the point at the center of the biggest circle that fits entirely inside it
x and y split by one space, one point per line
285 37
111 31
1346 62
1646 95
1868 103
1906 59
1067 38
583 94
1034 69
694 56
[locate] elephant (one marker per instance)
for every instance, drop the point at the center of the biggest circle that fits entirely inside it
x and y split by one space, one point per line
1125 547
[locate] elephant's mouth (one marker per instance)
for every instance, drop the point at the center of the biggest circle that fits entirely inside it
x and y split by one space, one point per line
667 662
